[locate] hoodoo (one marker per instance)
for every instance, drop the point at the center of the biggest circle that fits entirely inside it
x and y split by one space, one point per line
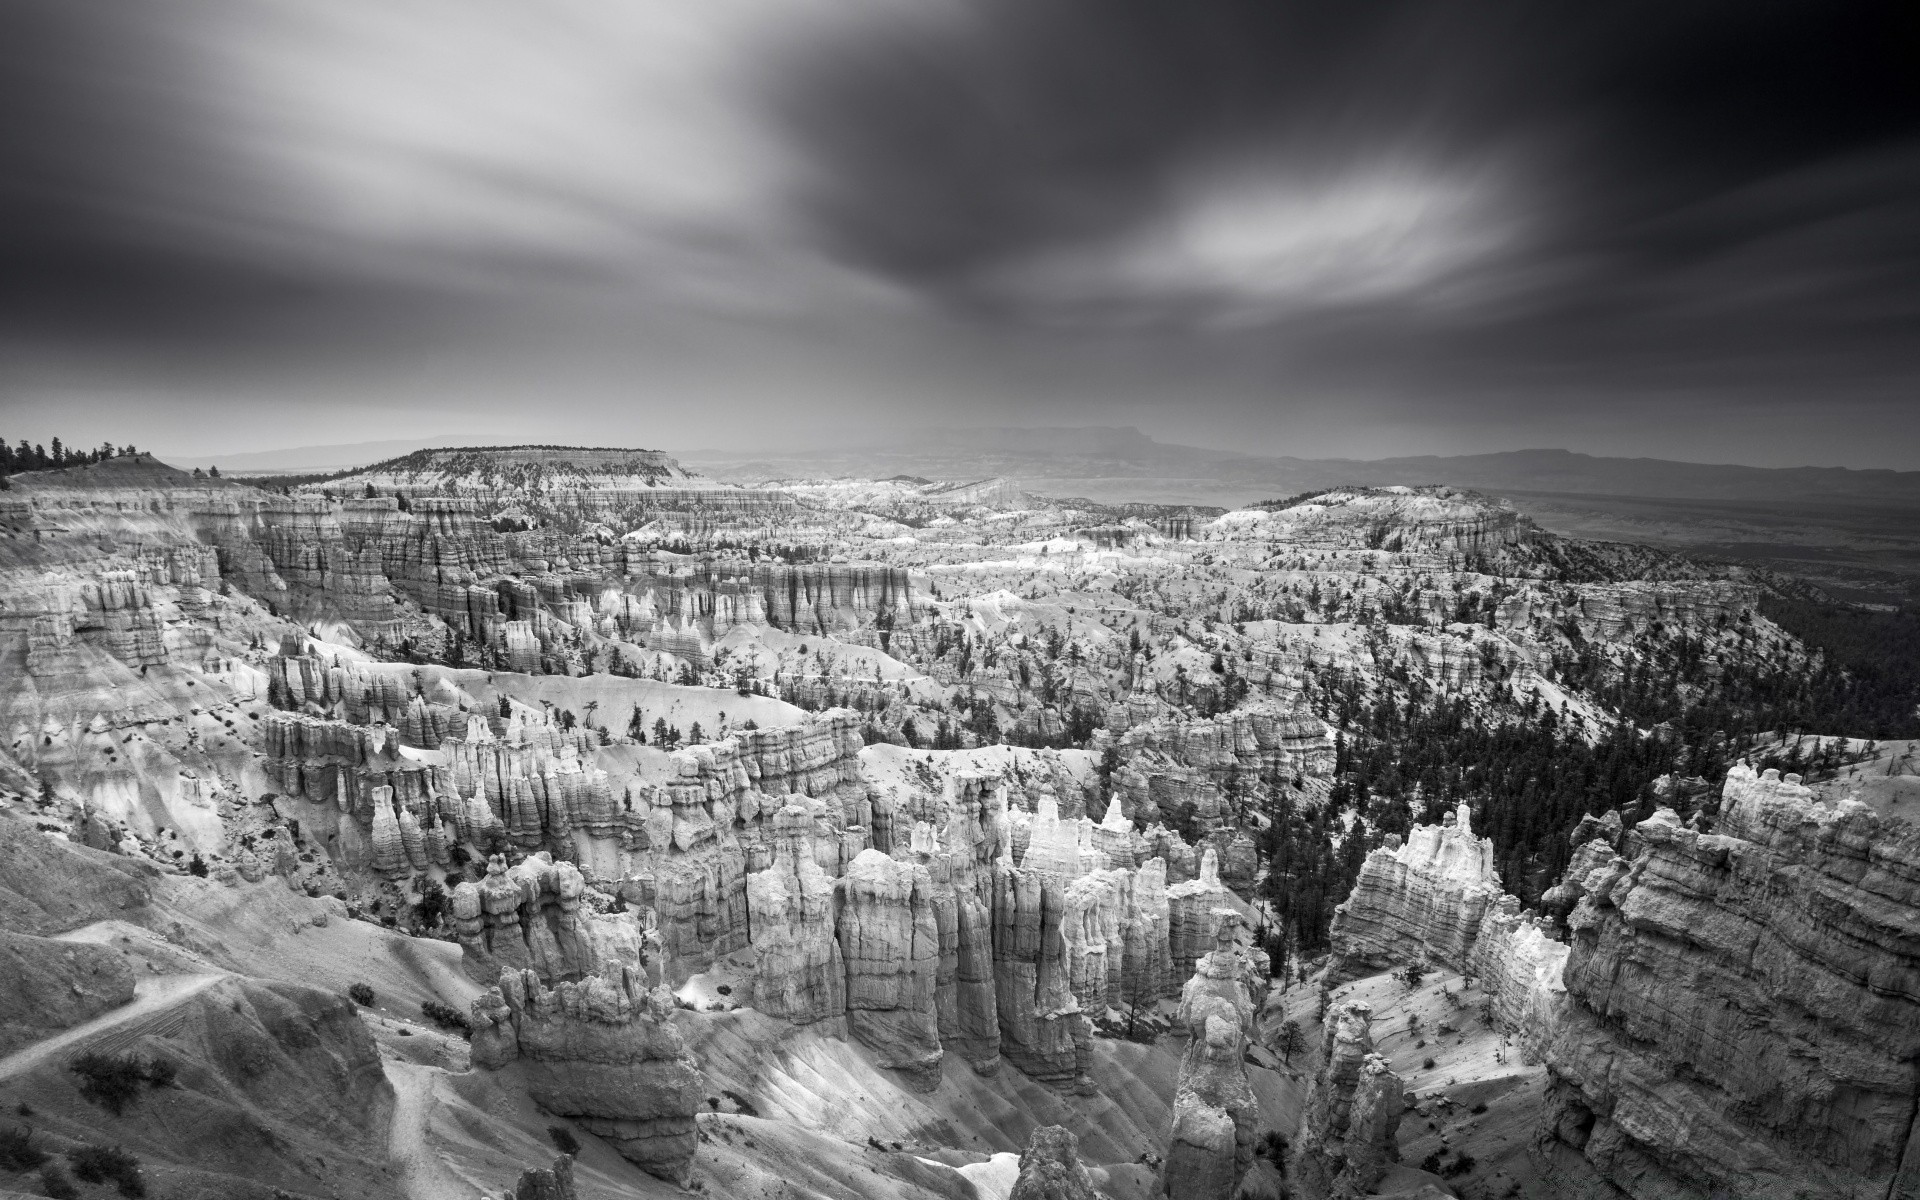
1215 1111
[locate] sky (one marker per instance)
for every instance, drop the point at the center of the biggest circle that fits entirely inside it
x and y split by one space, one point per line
1678 229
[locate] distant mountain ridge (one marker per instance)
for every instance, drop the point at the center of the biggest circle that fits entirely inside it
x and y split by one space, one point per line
1041 458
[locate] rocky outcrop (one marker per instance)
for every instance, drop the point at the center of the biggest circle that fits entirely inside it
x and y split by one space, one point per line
547 1183
1215 1112
1349 1131
604 1052
530 917
1742 1013
799 973
1190 915
891 947
1050 1168
1421 902
1043 1030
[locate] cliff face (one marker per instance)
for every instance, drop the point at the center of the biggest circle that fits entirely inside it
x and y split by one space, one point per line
1743 1007
1419 902
604 1052
891 948
1738 1012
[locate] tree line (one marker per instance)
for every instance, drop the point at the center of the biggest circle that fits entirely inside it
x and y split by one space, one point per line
33 456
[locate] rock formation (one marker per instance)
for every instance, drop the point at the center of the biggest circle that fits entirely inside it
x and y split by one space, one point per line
1736 1013
603 1052
1043 1030
544 1183
891 947
1050 1168
1742 1008
1349 1131
1215 1112
1191 923
1418 902
799 971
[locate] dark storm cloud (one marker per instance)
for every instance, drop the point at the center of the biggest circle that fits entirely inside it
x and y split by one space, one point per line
1280 215
1679 188
132 217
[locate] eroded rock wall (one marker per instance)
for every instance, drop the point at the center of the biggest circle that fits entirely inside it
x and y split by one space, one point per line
604 1052
1421 902
1743 1006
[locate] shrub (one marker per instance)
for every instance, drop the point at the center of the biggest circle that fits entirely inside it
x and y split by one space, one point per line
447 1017
17 1152
1431 1163
161 1072
1427 1063
57 1184
1459 1166
361 994
197 866
563 1139
112 1083
108 1164
1477 1109
1273 1147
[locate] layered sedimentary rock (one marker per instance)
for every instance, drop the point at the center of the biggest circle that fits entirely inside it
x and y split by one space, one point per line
1418 902
1043 1029
530 917
603 1052
1743 1007
891 947
1050 1168
799 972
1190 914
1349 1131
1215 1112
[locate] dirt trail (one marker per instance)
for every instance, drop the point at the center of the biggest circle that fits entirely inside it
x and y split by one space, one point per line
151 995
426 1176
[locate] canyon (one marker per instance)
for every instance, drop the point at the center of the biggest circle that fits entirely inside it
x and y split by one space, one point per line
903 838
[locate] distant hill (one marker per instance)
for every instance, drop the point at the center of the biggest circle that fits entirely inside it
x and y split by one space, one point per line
317 460
128 471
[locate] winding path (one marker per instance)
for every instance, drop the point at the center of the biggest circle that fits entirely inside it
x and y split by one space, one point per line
153 995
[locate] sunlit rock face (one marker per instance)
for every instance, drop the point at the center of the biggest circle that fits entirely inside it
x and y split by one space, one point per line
1215 1111
1421 902
799 973
1043 1030
1736 1011
1742 1008
1190 914
1349 1131
603 1052
891 947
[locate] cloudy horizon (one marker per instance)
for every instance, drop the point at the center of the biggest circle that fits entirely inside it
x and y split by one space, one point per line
1681 231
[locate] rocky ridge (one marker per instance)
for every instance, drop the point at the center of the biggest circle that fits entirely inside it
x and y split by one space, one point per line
1729 1015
